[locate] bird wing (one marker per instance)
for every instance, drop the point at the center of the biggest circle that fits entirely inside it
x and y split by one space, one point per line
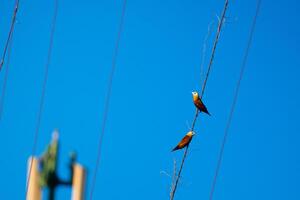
185 140
199 103
183 143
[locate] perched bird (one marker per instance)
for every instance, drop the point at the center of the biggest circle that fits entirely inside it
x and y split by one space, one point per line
198 103
185 141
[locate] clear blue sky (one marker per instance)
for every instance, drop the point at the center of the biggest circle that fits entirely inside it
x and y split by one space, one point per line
157 68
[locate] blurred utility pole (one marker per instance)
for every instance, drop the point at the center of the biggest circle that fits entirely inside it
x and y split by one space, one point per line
78 184
34 189
44 174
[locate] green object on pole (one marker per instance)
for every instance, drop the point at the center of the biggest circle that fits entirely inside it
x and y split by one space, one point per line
48 164
48 167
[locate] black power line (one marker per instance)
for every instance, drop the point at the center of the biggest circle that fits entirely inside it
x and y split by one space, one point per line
11 30
3 92
44 86
202 92
107 99
235 98
7 49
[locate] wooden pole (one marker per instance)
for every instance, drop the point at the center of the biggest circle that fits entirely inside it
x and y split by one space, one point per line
78 183
34 190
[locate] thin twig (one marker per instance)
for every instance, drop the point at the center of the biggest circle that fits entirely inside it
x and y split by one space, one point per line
204 50
173 177
179 173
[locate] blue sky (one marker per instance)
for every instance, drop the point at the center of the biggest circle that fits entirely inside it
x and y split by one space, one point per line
157 68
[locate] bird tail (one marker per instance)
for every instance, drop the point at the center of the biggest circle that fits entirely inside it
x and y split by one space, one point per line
176 148
208 113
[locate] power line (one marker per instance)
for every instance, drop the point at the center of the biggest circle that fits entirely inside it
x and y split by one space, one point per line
12 25
202 92
7 48
107 99
2 97
243 66
41 105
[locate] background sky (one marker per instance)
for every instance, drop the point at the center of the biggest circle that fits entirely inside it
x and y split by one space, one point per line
151 105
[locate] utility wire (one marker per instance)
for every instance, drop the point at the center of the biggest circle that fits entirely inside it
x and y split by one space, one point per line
44 86
2 97
243 66
107 99
202 92
12 25
7 48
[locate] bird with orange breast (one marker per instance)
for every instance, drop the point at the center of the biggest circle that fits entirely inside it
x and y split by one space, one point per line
199 104
185 141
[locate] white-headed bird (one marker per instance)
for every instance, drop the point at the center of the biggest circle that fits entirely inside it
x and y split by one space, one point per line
185 141
199 104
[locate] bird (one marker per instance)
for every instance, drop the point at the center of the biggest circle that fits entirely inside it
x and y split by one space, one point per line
199 104
185 141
